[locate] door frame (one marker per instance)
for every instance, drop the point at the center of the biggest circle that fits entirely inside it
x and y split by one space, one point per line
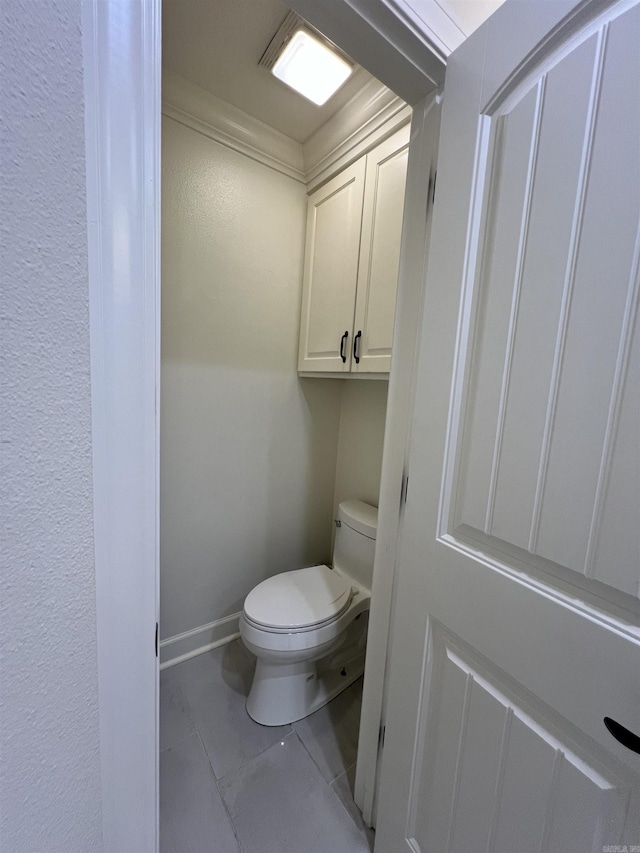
416 230
122 85
122 75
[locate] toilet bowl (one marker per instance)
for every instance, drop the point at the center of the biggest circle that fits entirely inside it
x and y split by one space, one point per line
308 627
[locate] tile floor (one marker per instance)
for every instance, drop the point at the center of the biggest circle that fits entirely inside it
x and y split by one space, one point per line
229 785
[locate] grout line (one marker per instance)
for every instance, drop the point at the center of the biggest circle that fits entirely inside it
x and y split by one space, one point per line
344 806
229 815
316 765
307 750
184 709
220 795
343 773
257 755
362 830
175 743
197 729
329 783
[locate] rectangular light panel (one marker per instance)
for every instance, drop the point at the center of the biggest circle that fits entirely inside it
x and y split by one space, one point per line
311 68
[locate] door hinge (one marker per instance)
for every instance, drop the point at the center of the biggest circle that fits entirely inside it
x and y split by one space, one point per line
404 489
433 188
156 639
381 735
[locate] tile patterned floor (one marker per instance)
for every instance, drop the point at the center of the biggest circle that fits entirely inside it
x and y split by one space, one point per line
229 785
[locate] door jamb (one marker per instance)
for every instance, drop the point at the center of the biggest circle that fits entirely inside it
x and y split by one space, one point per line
416 230
122 76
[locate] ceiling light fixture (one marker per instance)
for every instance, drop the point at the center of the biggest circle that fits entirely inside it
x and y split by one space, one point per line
305 62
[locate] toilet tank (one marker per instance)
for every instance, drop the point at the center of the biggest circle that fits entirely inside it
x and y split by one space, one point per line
355 543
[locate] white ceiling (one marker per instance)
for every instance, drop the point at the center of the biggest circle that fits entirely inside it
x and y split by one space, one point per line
217 44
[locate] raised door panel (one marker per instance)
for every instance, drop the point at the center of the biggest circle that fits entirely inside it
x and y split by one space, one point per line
334 216
552 396
380 254
468 788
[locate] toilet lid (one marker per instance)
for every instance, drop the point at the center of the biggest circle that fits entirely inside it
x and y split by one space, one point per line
298 599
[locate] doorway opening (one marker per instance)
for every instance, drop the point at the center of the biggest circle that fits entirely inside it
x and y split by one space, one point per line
260 444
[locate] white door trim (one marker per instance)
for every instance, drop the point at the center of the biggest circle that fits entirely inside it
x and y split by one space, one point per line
406 338
122 73
122 56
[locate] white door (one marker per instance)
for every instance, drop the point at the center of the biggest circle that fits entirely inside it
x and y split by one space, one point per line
515 624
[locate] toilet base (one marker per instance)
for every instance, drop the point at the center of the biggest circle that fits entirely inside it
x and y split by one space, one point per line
283 693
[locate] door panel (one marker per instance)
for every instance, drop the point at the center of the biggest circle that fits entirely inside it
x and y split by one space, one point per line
618 496
482 725
380 252
334 215
516 617
603 295
558 273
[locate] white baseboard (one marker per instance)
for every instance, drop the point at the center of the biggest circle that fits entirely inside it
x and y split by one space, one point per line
173 650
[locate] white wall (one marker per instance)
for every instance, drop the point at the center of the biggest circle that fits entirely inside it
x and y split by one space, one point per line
360 441
247 449
50 766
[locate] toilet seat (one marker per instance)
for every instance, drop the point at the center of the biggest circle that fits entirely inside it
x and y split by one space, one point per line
297 629
302 600
263 640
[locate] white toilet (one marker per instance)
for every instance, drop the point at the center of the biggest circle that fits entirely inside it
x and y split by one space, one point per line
308 628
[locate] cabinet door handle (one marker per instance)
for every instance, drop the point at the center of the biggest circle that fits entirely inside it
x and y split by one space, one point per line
343 340
355 347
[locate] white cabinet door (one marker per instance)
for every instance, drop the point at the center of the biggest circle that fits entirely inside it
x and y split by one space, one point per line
515 629
380 254
334 214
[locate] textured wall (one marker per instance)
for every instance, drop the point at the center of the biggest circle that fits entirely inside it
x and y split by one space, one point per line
248 450
49 783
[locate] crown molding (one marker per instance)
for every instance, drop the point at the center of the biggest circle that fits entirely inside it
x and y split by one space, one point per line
205 113
370 116
374 113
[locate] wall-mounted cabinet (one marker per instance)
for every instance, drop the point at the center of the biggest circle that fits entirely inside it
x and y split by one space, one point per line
354 225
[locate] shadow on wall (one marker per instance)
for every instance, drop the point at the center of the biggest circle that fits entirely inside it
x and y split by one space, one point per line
301 475
248 479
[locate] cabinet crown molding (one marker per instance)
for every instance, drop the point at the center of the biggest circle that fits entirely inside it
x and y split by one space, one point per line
373 113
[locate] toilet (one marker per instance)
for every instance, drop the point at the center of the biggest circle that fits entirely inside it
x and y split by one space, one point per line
308 627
